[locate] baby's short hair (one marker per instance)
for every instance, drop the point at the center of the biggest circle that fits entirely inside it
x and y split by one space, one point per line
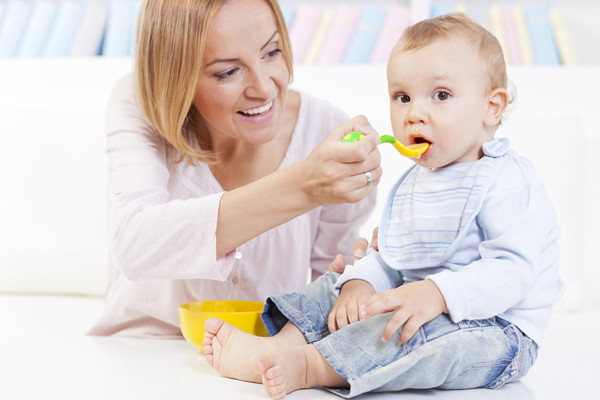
445 26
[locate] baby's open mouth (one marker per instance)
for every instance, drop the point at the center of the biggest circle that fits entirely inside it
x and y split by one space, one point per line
420 139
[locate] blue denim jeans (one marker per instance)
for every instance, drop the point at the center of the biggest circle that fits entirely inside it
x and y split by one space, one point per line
442 354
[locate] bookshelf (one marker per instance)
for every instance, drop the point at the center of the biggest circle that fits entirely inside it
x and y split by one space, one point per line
575 20
532 32
67 28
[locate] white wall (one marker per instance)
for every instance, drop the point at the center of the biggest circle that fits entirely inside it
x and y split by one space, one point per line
52 164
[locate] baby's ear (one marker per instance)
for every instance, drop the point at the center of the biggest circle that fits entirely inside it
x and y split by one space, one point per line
497 100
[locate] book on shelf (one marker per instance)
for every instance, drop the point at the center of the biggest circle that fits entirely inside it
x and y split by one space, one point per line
318 39
117 40
396 21
523 37
133 27
497 29
63 31
447 7
303 27
420 10
460 7
336 42
37 29
542 37
16 15
364 36
88 38
581 23
529 34
477 11
288 13
563 41
441 8
510 35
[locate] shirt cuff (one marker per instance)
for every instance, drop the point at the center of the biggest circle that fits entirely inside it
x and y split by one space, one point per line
454 294
372 269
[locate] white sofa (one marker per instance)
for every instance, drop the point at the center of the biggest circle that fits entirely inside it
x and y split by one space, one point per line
53 248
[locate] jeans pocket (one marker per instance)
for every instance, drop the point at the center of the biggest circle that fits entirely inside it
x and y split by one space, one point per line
506 376
522 361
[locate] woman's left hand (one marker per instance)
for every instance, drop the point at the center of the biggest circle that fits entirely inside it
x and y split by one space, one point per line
360 250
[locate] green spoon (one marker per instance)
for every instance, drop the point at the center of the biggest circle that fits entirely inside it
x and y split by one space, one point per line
413 150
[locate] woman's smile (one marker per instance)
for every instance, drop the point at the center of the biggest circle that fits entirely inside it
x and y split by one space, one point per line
258 110
259 115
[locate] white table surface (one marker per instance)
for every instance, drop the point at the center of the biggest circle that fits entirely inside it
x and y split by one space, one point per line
45 354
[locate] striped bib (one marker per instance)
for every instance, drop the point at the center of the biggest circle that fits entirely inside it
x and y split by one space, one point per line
429 209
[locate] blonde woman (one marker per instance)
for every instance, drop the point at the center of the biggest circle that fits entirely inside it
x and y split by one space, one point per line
223 183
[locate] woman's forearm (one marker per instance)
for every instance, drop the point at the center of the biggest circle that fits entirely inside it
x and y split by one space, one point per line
248 211
332 174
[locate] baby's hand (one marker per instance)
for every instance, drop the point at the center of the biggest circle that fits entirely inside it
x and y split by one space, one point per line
346 308
415 304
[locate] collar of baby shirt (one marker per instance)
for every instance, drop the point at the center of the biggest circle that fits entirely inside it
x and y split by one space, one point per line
428 210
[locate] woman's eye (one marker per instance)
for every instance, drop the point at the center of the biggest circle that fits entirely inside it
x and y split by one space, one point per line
273 53
441 96
226 74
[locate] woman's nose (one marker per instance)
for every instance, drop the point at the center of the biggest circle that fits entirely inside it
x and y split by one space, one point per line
259 84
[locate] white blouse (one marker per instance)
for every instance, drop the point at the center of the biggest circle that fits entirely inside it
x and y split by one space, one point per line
162 219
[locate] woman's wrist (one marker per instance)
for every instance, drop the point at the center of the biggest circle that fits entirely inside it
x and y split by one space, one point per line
309 192
253 209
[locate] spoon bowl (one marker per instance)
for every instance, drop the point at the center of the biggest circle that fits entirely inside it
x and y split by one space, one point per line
412 150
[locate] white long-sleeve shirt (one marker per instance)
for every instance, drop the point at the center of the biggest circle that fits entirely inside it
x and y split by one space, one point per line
162 219
485 232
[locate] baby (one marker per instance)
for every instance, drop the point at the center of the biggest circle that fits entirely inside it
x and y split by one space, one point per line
462 285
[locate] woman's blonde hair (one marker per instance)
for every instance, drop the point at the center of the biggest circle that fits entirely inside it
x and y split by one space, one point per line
424 32
170 42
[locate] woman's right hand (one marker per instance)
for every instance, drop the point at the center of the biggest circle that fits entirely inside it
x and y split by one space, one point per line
336 172
333 173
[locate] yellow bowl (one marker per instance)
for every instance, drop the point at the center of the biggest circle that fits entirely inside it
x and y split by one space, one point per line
242 314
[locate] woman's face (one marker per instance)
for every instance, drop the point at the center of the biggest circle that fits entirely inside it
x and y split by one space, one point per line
243 85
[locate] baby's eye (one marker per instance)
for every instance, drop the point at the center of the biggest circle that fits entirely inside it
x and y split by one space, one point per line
441 95
403 98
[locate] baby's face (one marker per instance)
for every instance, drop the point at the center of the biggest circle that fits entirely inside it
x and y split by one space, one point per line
438 94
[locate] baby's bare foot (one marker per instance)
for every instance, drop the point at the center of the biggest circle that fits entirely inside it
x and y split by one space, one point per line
231 351
287 369
282 371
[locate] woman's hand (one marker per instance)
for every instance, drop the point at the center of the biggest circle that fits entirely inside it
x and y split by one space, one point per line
333 173
336 172
346 308
360 250
414 304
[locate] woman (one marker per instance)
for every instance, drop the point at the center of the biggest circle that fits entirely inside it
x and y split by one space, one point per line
222 181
